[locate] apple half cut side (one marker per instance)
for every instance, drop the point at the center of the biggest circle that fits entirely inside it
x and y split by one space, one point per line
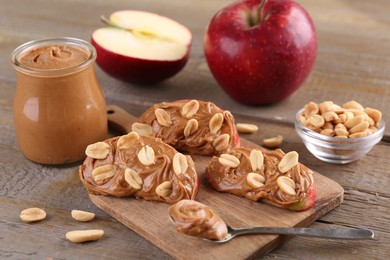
141 47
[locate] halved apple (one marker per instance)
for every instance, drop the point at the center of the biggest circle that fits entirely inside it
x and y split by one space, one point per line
141 47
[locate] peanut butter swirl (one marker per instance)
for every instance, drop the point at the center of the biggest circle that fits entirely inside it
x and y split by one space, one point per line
202 140
127 175
238 181
196 219
54 57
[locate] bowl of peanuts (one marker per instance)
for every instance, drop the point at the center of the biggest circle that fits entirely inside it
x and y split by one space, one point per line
339 134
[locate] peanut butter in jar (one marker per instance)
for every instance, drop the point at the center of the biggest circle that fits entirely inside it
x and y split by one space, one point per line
59 108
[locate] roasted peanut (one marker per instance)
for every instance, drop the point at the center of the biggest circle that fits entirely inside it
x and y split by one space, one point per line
273 142
82 216
32 215
246 128
79 236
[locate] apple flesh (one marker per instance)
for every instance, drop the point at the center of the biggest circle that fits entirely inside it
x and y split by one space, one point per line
141 47
260 51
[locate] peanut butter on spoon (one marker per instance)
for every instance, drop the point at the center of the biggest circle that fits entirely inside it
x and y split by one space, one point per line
196 219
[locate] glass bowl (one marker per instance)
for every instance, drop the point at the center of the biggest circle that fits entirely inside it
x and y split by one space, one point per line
337 150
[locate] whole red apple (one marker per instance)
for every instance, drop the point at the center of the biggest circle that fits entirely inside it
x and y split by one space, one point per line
261 51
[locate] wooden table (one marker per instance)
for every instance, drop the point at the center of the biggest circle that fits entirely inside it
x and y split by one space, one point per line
353 63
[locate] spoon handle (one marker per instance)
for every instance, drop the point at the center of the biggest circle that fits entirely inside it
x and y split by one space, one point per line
312 232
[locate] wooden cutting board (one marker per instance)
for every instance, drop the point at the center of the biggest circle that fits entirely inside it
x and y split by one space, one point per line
150 219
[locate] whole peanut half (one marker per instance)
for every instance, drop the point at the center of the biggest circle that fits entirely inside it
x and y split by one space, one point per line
79 236
82 216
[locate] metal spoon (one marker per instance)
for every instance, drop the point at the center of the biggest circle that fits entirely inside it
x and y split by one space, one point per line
351 234
311 232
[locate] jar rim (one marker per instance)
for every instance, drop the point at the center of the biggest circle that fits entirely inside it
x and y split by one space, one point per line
69 41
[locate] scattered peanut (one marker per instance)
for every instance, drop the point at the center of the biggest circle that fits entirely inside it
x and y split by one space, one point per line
78 236
82 216
273 142
32 215
246 128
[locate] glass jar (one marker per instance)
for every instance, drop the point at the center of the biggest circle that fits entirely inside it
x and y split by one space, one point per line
58 111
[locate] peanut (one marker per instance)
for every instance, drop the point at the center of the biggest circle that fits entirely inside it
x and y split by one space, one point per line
32 215
246 128
221 142
146 155
352 105
99 150
82 216
374 114
351 120
325 106
79 236
133 179
310 109
142 129
229 160
289 161
163 118
255 180
216 122
179 164
164 189
316 121
330 116
287 185
361 127
127 141
190 108
103 172
191 127
256 158
273 142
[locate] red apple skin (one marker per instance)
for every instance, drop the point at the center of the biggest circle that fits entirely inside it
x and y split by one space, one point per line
266 63
135 70
307 202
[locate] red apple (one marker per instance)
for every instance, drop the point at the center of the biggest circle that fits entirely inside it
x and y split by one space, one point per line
261 51
307 202
141 47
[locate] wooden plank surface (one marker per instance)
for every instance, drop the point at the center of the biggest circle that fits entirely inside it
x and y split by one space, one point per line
353 63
